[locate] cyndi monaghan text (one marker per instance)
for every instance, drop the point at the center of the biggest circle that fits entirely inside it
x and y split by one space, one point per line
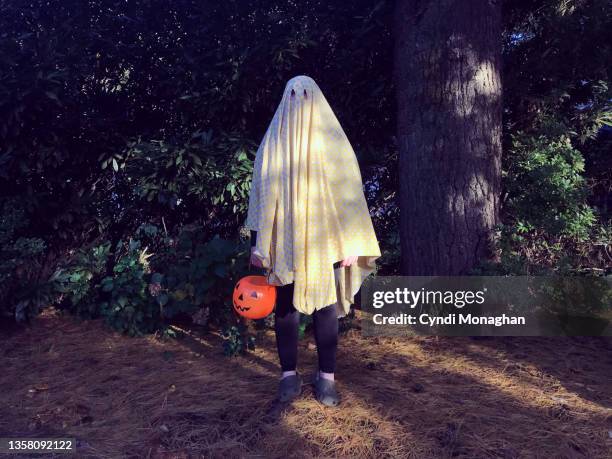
451 319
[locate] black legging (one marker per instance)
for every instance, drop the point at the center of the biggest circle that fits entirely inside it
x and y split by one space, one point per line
286 323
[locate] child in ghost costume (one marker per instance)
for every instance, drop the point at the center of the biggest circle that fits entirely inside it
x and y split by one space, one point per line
310 228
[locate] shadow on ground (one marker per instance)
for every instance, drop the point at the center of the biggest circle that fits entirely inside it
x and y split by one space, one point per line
419 397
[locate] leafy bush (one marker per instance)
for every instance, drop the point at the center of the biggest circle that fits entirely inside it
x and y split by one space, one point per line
545 188
129 306
198 273
548 227
22 290
155 278
77 279
191 273
236 340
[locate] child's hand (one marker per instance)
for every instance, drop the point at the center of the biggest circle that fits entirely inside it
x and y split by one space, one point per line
255 261
349 261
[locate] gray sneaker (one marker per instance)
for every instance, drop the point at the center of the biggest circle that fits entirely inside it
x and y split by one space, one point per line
289 388
325 391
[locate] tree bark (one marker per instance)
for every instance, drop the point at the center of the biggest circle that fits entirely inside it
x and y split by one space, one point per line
448 87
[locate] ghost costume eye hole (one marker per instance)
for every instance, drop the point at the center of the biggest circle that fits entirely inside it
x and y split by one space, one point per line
293 93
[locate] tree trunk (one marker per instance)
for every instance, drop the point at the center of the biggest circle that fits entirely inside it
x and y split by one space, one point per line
448 89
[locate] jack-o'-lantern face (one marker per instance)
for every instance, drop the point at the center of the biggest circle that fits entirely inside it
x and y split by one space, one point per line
253 297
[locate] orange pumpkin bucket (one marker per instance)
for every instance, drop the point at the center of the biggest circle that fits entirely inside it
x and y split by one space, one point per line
253 297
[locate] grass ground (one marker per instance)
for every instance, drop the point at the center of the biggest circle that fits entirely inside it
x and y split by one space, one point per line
408 398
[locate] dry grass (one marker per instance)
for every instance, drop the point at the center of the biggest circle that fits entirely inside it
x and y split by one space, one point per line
406 398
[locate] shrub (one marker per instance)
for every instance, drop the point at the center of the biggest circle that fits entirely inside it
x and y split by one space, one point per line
548 228
237 340
191 273
545 188
22 289
186 275
76 280
199 273
129 307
